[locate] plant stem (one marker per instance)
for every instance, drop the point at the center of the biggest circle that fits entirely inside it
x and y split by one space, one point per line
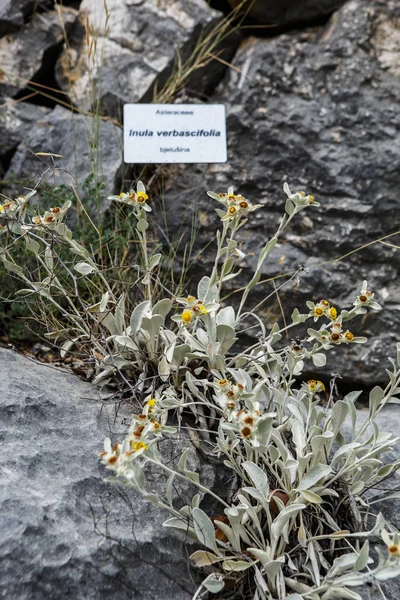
201 487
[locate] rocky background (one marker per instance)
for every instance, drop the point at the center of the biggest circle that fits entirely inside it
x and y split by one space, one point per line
312 91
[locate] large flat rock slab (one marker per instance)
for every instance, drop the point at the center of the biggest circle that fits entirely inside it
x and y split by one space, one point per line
65 532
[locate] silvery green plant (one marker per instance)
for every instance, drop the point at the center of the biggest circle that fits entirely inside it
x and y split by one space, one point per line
299 519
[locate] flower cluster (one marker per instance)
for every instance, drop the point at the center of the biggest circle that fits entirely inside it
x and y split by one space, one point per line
333 333
337 335
193 308
50 217
236 205
315 386
297 201
10 208
117 457
145 423
137 198
322 309
228 395
241 412
144 429
247 421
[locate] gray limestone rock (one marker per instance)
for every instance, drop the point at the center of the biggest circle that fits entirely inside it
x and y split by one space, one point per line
88 148
23 52
15 13
65 532
388 421
16 122
319 109
127 49
390 588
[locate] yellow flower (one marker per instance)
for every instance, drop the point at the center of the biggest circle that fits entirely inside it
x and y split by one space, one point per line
318 311
1 207
232 210
325 303
314 385
199 307
349 336
141 197
223 382
187 316
138 446
311 198
190 299
332 312
122 195
151 402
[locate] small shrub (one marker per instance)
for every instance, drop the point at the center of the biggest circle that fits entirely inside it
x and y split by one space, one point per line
298 520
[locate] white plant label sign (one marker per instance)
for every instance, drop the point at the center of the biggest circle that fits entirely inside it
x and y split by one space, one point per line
174 133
